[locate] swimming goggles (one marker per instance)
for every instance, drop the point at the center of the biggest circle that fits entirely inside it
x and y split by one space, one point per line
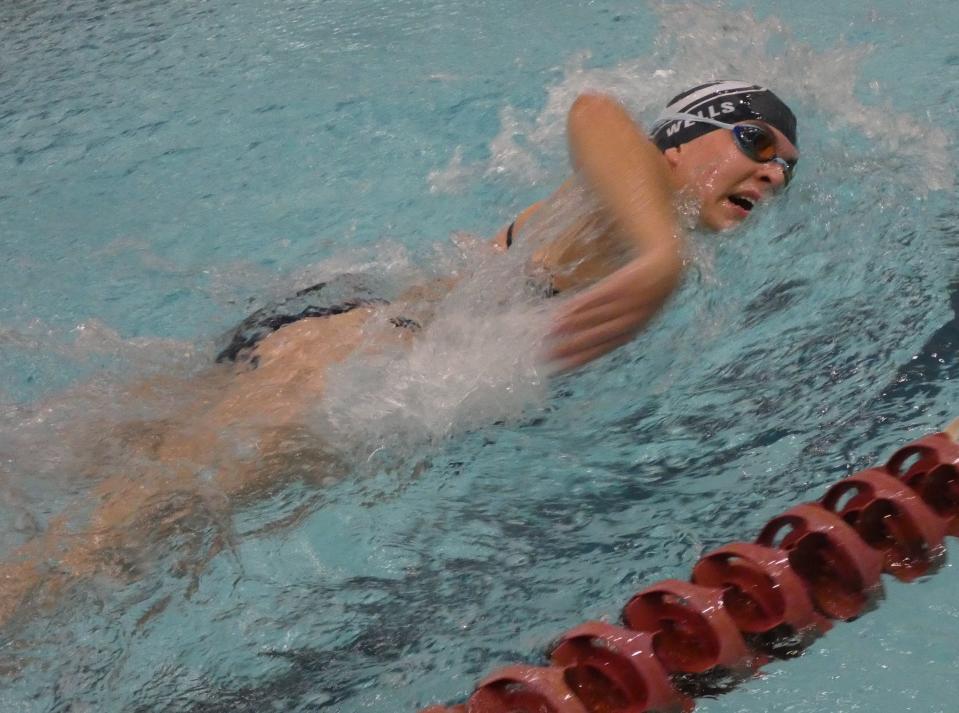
754 140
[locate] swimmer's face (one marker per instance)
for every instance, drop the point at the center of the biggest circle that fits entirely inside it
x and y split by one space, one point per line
725 183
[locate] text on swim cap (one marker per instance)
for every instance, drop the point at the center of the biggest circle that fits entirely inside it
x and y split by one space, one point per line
710 113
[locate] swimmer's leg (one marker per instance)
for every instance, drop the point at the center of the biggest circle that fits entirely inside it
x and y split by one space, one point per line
232 441
130 518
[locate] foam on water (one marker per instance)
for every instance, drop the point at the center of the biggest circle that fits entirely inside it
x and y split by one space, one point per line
476 360
479 358
698 40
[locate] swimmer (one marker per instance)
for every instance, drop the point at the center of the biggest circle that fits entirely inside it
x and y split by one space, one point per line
724 146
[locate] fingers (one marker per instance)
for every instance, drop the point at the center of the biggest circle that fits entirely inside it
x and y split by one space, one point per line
596 296
601 304
634 286
618 331
609 314
585 356
569 321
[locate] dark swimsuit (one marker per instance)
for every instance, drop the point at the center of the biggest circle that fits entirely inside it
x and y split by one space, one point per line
509 235
314 301
320 300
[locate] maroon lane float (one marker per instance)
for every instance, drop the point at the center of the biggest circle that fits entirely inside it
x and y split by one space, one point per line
748 602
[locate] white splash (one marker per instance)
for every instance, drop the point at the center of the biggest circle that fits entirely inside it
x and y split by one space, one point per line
698 42
476 361
93 338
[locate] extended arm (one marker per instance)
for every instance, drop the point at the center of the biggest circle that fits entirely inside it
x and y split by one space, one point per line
630 180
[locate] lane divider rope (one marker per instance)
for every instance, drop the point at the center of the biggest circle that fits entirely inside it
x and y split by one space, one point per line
748 603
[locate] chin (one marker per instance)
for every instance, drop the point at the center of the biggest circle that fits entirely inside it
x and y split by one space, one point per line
730 225
720 221
718 225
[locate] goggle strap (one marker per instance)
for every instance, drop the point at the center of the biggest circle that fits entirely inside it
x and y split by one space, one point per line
681 116
696 118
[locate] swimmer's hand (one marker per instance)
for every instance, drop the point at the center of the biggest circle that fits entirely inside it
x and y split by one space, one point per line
631 181
611 312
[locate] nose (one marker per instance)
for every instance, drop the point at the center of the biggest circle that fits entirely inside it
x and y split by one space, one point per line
773 173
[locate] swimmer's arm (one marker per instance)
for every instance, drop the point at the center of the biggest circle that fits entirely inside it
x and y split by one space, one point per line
626 172
629 178
499 242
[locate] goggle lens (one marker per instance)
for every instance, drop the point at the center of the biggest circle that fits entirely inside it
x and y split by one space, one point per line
755 142
759 144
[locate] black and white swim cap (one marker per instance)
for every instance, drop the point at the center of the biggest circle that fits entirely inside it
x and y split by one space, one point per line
726 101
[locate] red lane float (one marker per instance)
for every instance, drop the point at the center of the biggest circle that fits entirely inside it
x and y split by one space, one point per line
692 631
616 670
825 556
929 451
891 518
939 489
525 689
840 570
934 475
761 591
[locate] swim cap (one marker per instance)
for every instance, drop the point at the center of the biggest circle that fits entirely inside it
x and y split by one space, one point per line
726 101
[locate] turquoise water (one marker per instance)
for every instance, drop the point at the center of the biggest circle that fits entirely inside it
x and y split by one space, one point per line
167 166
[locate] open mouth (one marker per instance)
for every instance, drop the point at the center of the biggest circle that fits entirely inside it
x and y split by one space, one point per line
743 202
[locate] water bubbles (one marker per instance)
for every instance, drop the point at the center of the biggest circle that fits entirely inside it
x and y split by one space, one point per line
474 363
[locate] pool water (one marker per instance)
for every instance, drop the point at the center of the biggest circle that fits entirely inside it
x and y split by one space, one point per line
168 166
